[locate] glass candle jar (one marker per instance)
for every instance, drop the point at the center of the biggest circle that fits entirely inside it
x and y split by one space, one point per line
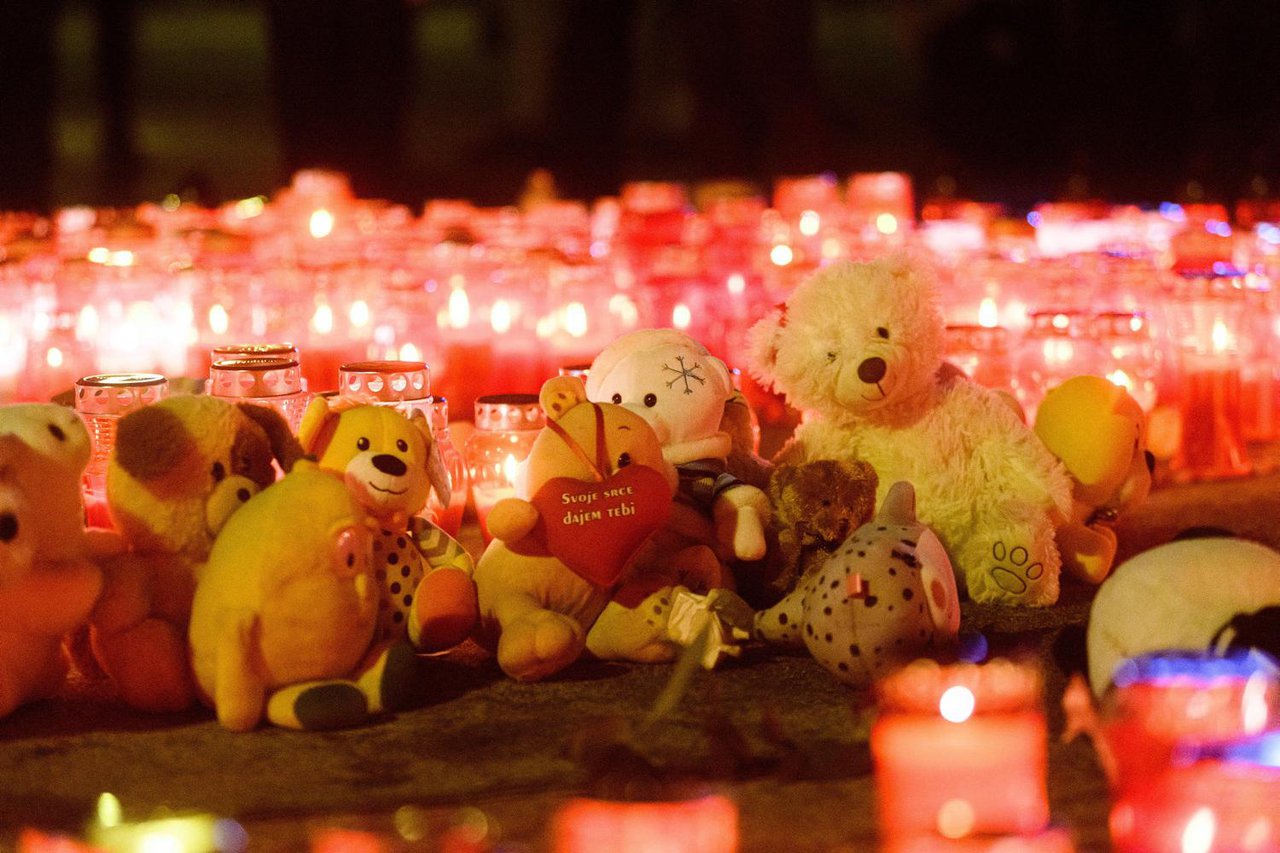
101 401
982 352
262 380
960 750
448 518
704 825
506 425
1054 349
405 385
1129 356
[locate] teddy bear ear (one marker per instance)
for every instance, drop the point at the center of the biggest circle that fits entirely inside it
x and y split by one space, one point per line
762 344
284 447
319 422
560 394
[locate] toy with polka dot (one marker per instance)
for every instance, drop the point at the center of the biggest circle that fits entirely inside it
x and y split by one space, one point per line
887 595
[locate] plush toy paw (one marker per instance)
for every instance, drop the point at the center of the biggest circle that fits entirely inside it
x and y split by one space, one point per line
538 644
637 633
397 681
1014 575
1087 552
444 610
318 706
148 664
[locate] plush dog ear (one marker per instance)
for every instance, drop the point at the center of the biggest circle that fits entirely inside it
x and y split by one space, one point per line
153 442
284 447
762 345
319 423
437 474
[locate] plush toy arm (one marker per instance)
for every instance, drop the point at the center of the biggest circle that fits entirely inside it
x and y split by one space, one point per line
512 518
741 513
127 595
1088 552
239 694
445 611
781 624
52 599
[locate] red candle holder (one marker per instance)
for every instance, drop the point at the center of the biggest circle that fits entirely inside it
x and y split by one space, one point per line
101 401
705 825
960 751
506 426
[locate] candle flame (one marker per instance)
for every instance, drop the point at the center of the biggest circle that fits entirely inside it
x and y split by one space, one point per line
956 704
956 819
988 313
887 223
322 319
219 321
459 308
1198 835
53 357
1221 338
359 313
320 224
781 255
409 352
681 316
736 283
810 223
1061 321
575 319
1122 379
87 324
99 255
500 316
510 466
621 306
109 811
248 208
1254 706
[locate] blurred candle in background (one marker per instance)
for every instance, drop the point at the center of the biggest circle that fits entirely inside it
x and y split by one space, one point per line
101 401
506 425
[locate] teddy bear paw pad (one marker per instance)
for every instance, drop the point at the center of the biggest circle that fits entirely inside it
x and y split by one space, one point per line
1013 572
403 685
335 705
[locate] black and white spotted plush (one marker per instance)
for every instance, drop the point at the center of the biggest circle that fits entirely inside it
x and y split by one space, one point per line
886 596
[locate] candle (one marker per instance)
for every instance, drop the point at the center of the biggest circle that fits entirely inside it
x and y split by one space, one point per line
506 426
448 518
960 750
264 381
101 401
1053 840
705 825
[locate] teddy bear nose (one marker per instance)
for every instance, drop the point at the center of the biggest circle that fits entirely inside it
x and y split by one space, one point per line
872 369
388 464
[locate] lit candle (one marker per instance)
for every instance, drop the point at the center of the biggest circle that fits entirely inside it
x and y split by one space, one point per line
101 401
1053 840
705 825
1212 437
960 750
262 380
506 425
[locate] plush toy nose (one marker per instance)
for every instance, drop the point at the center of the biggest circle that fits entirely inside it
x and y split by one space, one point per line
8 527
872 370
388 464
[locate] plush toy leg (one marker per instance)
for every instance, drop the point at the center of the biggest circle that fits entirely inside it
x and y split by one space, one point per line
394 679
740 516
1015 562
318 706
1087 552
636 633
148 663
535 642
444 610
783 623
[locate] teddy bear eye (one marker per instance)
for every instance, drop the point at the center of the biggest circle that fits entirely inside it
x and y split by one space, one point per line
617 399
650 400
402 445
219 471
8 527
56 432
362 443
624 460
882 332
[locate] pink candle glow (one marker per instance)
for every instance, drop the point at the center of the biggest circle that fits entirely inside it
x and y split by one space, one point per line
960 751
706 825
1050 841
1213 443
102 401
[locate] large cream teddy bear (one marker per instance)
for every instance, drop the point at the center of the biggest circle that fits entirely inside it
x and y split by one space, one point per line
594 490
48 583
858 349
178 471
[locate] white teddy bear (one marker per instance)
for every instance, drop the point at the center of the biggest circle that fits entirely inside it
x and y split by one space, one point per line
858 348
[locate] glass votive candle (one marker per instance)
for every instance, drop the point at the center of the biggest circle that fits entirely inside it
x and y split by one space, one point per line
403 384
1052 840
960 750
1054 349
1164 700
704 825
982 352
264 381
448 518
101 402
506 426
1129 356
1226 798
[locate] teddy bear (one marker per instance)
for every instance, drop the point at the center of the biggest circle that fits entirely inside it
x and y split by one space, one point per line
390 462
48 579
857 347
1195 594
887 596
675 384
178 470
285 612
593 491
1099 432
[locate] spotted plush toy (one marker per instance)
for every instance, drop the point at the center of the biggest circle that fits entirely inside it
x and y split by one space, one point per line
886 596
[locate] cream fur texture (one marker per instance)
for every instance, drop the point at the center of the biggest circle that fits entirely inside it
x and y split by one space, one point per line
858 348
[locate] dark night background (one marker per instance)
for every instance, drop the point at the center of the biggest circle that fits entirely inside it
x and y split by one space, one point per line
116 101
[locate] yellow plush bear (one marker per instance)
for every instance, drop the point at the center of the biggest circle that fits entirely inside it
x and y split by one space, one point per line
286 608
595 488
1099 432
179 469
48 585
390 462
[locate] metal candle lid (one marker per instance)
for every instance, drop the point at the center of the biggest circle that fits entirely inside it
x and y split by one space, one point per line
254 377
279 350
509 412
118 393
385 381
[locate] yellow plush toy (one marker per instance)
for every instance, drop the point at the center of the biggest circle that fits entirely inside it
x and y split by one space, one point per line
595 489
286 608
179 469
1099 432
390 462
48 584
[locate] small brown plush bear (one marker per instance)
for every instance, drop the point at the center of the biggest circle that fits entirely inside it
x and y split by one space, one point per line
816 505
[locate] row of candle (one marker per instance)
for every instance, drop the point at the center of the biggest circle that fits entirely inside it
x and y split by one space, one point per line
960 751
498 299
